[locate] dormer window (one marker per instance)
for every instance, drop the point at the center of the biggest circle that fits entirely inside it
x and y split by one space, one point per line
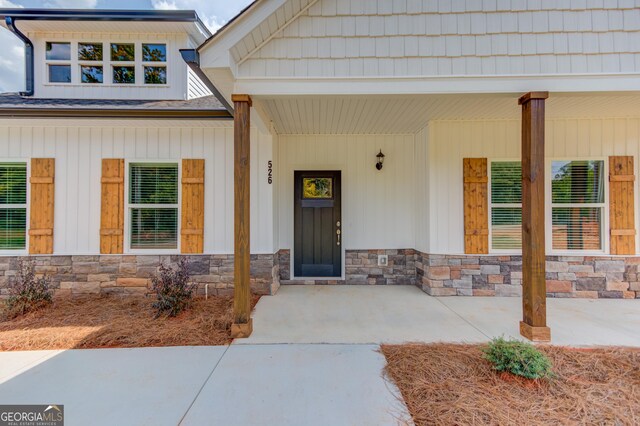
58 51
123 73
104 62
89 52
123 52
58 56
88 55
153 57
154 52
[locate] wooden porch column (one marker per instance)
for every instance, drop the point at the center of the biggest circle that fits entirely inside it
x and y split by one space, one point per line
242 324
534 293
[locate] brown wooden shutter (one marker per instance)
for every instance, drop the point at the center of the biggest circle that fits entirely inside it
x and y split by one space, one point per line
621 205
112 209
192 223
42 206
476 207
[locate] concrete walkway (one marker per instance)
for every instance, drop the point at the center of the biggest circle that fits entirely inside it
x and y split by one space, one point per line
223 385
397 314
281 375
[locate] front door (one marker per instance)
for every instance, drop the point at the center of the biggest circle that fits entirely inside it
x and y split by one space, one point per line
317 250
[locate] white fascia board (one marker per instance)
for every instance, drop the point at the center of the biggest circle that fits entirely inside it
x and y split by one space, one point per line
438 85
215 53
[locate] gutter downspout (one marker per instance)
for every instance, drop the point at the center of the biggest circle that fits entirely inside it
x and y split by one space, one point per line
192 58
28 55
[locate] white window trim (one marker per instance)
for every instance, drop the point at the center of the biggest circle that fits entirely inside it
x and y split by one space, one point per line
604 225
68 62
25 251
498 205
128 207
163 64
86 63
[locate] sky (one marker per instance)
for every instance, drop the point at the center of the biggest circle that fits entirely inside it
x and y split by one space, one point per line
214 13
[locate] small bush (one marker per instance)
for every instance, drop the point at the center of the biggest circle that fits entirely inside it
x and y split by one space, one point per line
519 358
27 293
173 289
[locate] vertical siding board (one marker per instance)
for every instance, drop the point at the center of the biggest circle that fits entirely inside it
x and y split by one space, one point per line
84 189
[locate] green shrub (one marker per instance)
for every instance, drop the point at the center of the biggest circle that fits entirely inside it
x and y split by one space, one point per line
519 358
173 289
27 292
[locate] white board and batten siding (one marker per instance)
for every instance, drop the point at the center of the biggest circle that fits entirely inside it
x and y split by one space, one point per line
179 84
361 38
451 141
377 206
79 149
195 87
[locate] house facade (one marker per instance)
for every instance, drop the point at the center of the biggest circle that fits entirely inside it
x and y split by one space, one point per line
331 142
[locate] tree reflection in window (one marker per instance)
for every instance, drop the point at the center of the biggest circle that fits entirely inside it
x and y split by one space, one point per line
124 75
89 51
155 75
154 52
122 52
91 74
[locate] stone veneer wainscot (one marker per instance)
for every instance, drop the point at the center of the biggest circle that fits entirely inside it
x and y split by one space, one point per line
437 275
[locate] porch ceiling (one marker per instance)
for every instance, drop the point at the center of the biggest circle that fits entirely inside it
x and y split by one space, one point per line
409 114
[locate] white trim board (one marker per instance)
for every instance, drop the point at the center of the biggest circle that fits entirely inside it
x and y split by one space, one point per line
584 83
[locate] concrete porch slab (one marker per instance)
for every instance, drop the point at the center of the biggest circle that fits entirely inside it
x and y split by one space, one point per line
356 314
298 385
573 322
397 314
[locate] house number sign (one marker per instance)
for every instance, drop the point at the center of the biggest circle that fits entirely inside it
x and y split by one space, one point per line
270 172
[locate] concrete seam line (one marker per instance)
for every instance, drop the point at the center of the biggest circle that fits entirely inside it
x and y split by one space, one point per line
203 385
462 318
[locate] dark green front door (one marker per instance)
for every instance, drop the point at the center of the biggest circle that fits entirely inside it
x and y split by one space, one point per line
317 250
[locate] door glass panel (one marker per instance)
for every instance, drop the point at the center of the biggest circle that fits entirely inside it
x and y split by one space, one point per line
317 188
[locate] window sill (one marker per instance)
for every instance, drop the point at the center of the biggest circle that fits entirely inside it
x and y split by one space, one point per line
21 252
152 252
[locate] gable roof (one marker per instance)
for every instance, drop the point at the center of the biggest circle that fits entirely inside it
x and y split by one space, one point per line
253 27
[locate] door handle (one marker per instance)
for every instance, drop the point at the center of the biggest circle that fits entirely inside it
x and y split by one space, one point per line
338 234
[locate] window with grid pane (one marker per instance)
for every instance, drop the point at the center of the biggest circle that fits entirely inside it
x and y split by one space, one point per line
577 204
506 205
153 204
13 206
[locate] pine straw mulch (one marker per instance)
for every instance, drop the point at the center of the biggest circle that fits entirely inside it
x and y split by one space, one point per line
446 384
118 322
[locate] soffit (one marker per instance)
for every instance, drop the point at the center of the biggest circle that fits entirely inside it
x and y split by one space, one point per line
409 114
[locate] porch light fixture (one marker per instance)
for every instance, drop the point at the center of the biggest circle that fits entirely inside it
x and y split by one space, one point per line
380 158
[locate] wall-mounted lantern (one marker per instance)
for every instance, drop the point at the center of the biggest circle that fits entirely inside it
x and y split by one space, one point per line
380 158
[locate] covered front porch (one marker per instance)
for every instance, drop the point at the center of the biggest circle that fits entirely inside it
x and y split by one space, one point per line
425 213
399 314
